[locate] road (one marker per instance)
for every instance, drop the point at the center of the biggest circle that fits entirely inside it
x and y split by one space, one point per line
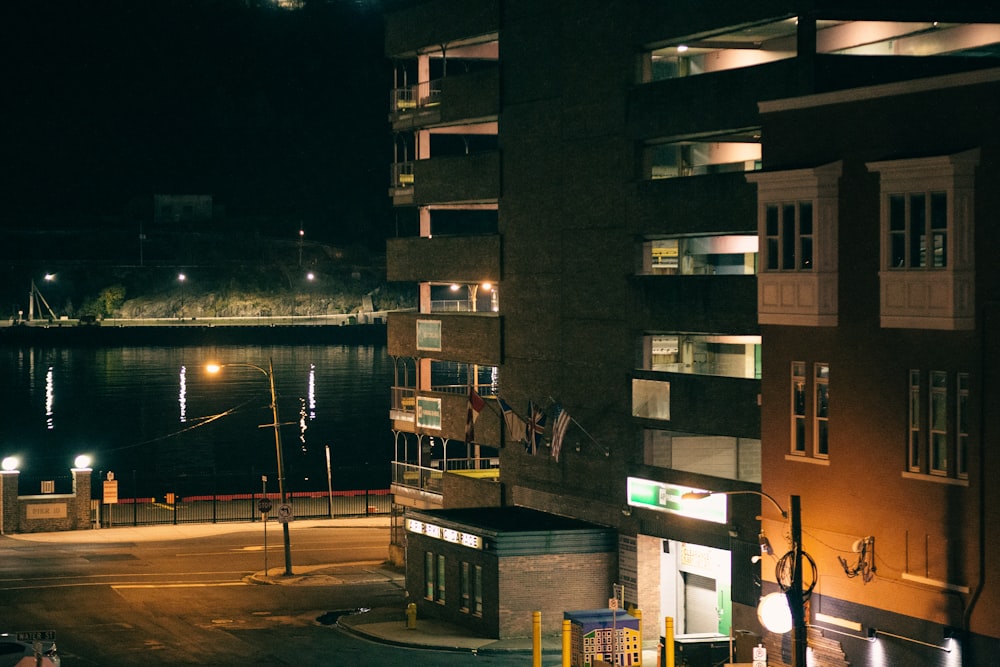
169 602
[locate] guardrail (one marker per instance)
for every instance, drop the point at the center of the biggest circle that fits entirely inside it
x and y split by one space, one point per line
240 508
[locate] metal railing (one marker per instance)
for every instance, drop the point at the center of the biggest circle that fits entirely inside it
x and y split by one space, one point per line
429 478
402 175
417 96
240 507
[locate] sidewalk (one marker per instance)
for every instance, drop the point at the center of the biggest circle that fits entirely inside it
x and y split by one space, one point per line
387 625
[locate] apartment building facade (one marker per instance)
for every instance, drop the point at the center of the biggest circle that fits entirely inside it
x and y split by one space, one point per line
583 179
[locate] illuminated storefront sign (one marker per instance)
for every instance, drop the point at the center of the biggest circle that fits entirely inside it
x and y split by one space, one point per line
446 534
662 497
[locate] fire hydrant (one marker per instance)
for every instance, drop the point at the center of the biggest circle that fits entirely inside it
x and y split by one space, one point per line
411 616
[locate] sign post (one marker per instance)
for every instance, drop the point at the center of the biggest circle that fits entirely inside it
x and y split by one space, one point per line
110 493
264 505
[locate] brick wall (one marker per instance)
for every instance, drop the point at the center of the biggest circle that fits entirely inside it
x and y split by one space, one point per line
462 491
47 512
552 584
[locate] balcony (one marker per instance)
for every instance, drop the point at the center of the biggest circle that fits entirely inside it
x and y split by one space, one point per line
444 259
462 98
429 479
706 404
696 303
697 204
726 99
450 409
470 337
461 179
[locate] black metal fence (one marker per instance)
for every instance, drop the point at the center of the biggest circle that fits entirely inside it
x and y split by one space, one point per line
241 507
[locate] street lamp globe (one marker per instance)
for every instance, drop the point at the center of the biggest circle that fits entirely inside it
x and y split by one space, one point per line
82 462
10 463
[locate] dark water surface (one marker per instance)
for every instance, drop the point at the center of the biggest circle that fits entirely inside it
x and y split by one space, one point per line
157 419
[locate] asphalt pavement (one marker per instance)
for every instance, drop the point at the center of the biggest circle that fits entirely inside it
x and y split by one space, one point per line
382 624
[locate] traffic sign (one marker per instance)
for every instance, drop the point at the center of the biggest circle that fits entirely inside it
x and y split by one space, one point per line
284 513
264 505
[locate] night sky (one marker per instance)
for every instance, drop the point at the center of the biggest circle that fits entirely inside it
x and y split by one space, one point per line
279 114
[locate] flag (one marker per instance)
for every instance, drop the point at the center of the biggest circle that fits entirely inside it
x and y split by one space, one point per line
559 426
534 427
514 424
476 404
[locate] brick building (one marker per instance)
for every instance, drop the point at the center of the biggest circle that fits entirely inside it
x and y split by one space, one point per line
583 193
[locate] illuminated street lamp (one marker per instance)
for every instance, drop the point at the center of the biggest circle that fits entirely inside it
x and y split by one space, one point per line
180 279
794 596
269 372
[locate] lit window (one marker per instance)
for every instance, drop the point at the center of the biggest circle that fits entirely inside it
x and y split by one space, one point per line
938 444
429 584
938 428
798 407
821 415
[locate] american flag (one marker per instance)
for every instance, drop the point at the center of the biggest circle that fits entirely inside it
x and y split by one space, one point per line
559 426
534 427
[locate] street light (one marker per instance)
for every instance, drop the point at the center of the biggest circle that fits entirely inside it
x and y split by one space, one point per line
269 372
180 279
796 600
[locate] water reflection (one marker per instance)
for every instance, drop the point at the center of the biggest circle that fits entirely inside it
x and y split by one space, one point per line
116 403
183 394
50 400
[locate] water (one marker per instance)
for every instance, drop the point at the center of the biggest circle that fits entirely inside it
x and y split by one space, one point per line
159 421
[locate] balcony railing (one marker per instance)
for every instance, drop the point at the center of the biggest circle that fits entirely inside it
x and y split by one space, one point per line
429 478
417 96
402 175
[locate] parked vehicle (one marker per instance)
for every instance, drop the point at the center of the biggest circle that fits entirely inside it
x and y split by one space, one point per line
28 649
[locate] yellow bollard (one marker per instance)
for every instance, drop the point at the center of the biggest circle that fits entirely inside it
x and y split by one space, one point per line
411 616
638 614
668 640
536 639
567 646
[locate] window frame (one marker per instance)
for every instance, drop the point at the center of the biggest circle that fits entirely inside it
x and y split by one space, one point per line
798 406
821 410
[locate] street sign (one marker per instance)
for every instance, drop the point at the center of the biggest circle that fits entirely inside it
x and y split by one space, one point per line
759 656
110 491
37 636
264 505
284 513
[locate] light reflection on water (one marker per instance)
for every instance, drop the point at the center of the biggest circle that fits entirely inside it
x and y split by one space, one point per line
152 413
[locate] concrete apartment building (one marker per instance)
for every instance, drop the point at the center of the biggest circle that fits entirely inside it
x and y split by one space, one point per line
627 214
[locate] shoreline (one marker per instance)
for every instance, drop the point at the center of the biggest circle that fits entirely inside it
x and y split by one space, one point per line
196 332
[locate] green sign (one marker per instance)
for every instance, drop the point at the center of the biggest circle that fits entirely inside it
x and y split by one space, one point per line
429 335
668 498
429 412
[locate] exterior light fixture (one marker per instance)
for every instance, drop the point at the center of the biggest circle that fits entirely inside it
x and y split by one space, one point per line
793 595
82 462
682 48
774 614
269 372
10 464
